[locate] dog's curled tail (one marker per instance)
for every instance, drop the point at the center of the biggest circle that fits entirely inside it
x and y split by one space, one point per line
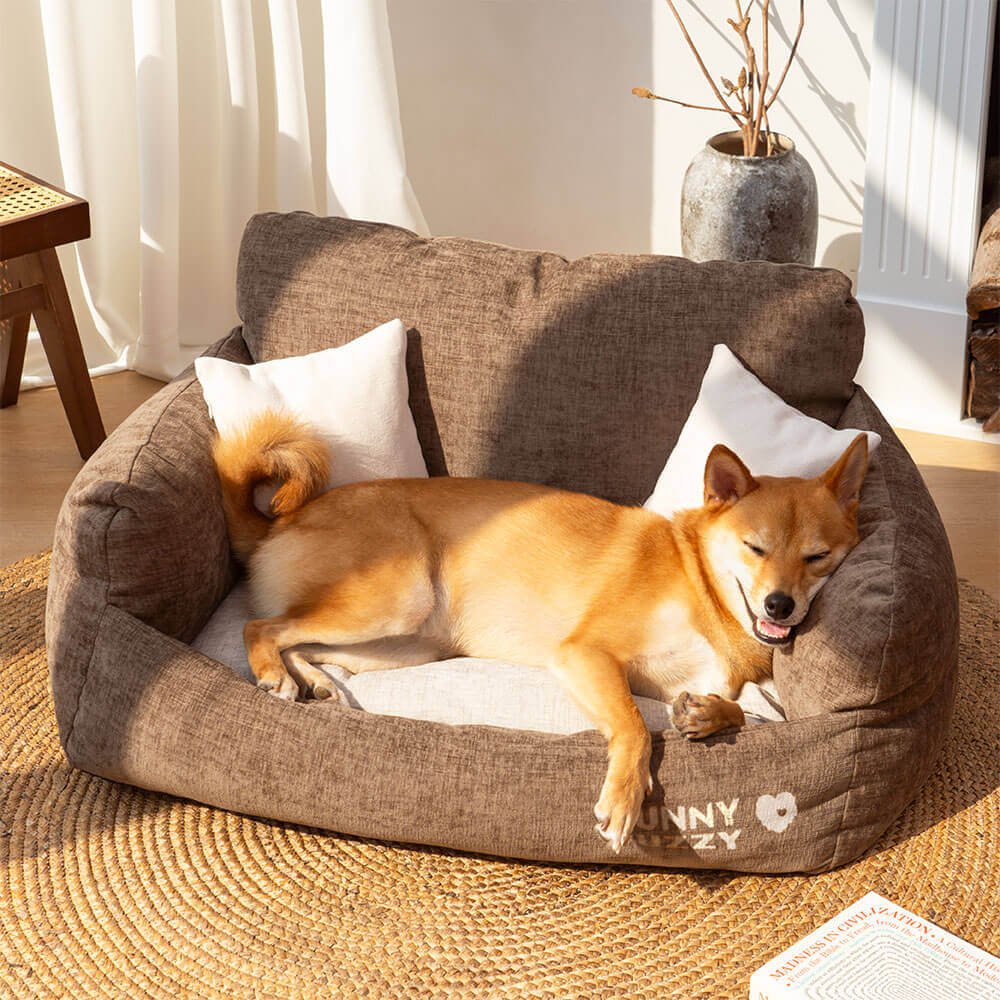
273 448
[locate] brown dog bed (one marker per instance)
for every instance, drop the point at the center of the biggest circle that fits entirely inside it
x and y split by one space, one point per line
522 366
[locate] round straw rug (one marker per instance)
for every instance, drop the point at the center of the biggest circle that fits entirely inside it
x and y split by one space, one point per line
108 891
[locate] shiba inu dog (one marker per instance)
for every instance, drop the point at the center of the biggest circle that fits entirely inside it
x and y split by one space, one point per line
613 600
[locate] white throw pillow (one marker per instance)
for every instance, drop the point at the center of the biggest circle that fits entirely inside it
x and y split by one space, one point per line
356 396
736 409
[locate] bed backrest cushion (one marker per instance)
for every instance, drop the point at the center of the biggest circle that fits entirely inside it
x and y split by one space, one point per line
525 365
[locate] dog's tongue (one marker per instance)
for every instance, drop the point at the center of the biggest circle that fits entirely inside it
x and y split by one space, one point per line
772 630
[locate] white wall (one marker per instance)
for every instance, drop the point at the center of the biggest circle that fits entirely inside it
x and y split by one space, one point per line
518 119
520 126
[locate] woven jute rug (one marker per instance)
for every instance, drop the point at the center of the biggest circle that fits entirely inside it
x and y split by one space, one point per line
108 891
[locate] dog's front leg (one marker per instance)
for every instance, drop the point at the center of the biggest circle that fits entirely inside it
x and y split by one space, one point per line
598 682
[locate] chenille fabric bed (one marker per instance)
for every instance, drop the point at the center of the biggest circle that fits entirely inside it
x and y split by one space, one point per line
522 365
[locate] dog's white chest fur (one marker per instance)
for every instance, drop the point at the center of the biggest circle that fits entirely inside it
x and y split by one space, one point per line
678 658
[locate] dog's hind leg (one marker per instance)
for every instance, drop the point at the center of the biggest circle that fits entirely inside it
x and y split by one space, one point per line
305 663
381 654
393 598
598 682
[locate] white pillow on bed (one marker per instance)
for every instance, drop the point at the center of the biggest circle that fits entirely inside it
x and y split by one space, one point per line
356 396
736 409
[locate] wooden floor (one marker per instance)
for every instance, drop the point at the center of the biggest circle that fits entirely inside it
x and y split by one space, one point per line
38 458
38 461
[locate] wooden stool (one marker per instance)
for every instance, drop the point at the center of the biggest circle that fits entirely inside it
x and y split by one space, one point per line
36 217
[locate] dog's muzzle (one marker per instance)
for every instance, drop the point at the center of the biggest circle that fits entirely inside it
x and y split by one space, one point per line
766 631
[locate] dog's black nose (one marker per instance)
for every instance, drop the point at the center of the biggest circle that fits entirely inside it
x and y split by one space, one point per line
779 605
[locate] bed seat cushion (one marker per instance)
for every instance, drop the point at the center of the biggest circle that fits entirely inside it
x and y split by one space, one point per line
463 691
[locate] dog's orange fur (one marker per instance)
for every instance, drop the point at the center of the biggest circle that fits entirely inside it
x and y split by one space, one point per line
611 599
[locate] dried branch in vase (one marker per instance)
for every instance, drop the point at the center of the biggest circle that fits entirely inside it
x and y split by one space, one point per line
751 86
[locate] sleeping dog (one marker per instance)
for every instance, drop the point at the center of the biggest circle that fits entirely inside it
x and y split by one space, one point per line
613 600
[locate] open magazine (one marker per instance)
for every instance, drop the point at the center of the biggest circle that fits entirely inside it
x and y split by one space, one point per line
878 949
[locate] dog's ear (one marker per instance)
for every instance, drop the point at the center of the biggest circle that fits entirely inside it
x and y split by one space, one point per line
843 478
726 477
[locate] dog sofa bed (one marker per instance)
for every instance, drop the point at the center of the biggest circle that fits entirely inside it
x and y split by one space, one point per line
528 366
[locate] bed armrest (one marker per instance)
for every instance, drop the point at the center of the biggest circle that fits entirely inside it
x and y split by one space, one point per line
142 529
884 629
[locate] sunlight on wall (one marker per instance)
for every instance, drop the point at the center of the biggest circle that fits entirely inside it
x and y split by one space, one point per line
823 107
520 126
519 123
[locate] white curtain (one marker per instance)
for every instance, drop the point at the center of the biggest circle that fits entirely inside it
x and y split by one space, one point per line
178 120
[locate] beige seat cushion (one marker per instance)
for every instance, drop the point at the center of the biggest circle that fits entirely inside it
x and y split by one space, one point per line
463 691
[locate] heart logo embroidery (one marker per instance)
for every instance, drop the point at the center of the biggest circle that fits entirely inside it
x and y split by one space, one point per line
776 812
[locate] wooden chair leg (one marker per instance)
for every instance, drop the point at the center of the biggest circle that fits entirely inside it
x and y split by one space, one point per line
12 346
61 340
13 335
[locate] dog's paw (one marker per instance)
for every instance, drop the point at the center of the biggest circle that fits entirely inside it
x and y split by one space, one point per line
313 681
283 687
322 688
325 690
701 715
618 808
